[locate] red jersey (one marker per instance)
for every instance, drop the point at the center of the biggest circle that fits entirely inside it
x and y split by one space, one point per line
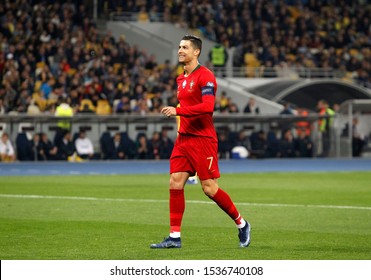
196 95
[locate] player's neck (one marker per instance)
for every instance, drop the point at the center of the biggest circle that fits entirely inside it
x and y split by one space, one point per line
190 67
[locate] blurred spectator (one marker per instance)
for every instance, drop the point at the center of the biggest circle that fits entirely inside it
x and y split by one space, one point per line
84 146
224 146
123 105
129 146
2 107
37 150
303 125
222 103
287 110
259 144
232 107
66 148
64 110
154 145
166 145
6 149
336 108
107 145
49 151
243 140
118 148
303 144
143 149
24 148
325 126
273 141
287 145
251 107
358 141
218 57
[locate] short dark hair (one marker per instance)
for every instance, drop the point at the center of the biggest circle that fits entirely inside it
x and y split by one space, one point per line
195 41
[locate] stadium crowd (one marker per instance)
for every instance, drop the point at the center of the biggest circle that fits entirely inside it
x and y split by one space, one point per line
282 34
51 52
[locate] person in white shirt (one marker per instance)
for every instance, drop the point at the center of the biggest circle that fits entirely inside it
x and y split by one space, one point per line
84 146
6 148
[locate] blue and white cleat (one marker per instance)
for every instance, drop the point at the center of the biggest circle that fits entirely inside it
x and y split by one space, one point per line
244 235
168 243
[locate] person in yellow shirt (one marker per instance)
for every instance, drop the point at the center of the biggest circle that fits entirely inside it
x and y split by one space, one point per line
64 110
325 126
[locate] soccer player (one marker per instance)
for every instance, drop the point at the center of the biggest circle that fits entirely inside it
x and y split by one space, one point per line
196 147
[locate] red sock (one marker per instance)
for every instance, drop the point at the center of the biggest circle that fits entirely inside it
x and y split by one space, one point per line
177 207
225 202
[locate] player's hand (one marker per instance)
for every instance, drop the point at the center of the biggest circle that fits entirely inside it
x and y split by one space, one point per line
169 111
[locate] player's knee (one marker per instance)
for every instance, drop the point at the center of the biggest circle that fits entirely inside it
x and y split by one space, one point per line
175 184
209 189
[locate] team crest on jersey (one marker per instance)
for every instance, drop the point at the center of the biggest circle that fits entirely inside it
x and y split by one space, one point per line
191 84
184 84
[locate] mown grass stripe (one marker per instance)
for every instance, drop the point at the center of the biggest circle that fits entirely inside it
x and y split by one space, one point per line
188 201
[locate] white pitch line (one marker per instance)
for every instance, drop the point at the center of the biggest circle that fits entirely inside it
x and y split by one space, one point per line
188 201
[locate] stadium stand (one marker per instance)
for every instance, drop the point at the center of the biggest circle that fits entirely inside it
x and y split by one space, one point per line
54 49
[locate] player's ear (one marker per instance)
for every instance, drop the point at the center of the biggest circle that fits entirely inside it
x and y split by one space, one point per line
197 52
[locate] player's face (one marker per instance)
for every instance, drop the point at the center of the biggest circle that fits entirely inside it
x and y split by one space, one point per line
186 52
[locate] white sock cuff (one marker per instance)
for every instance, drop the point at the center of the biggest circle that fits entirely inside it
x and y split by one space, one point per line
174 234
242 224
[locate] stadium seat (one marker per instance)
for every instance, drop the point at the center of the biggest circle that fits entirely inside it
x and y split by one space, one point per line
103 108
87 102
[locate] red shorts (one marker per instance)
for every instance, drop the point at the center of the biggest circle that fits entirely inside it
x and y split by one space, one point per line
195 154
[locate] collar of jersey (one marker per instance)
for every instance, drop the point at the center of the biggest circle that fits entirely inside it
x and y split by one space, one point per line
198 66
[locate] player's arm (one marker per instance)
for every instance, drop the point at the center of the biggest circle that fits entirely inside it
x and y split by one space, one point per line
206 107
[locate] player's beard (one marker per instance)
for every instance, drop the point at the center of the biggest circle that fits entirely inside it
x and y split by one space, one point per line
184 60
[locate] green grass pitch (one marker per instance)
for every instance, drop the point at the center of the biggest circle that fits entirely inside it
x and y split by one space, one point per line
294 216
